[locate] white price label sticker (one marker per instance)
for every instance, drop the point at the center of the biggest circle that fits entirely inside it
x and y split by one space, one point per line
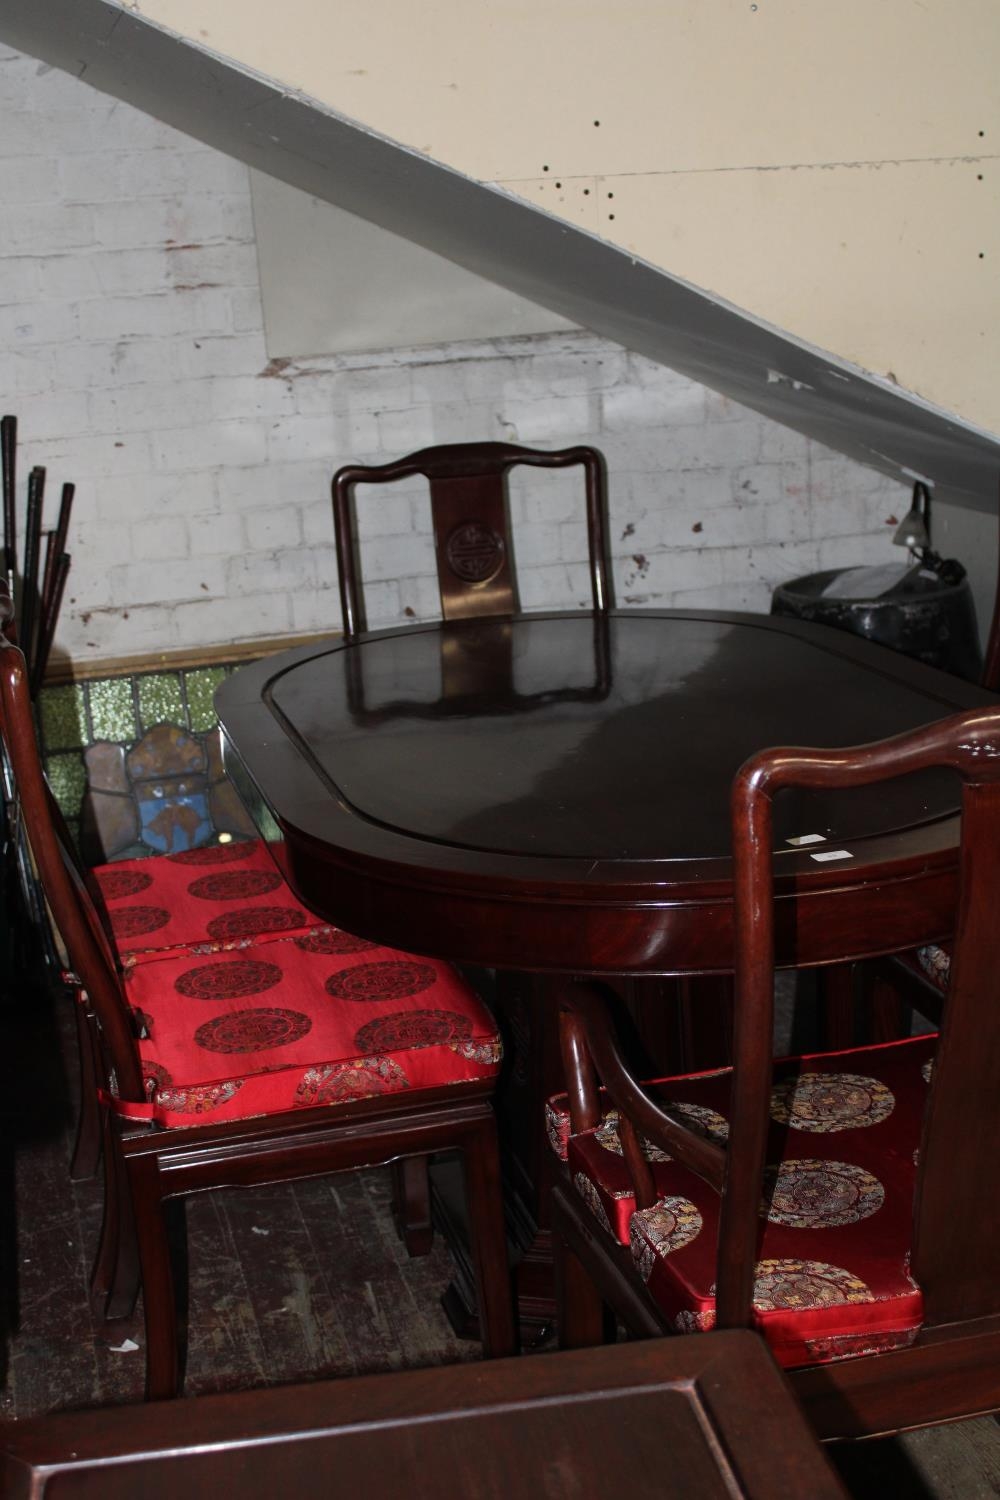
807 838
825 854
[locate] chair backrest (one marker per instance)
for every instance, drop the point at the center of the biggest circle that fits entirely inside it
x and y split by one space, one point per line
60 873
957 1200
472 539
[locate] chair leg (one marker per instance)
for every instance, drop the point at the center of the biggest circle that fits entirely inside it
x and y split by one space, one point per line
411 1203
124 1288
114 1284
87 1148
488 1237
163 1373
583 1319
102 1276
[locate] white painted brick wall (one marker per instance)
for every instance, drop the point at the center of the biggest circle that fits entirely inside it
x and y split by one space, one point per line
134 357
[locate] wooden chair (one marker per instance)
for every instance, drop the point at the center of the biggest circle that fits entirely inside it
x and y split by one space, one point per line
844 1204
472 538
186 1112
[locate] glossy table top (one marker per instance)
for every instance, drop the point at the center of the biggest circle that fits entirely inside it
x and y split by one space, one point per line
566 751
690 1418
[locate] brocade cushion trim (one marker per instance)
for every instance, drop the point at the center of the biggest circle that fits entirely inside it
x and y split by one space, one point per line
936 964
836 1209
205 900
301 1023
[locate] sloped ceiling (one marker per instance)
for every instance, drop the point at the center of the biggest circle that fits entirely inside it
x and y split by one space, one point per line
559 250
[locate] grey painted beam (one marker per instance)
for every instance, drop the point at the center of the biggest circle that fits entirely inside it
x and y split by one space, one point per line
513 243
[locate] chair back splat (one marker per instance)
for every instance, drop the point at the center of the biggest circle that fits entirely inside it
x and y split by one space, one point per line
855 1197
472 537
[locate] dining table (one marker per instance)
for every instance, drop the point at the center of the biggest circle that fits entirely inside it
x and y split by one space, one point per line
700 1417
546 796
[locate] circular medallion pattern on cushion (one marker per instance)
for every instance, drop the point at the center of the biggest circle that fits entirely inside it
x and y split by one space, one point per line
704 1121
669 1224
412 1028
825 1102
228 981
809 1194
137 921
332 940
115 884
251 921
392 979
359 1078
212 854
805 1283
235 885
253 1030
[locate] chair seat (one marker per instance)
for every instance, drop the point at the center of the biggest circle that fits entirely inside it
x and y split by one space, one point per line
206 900
845 1128
310 1020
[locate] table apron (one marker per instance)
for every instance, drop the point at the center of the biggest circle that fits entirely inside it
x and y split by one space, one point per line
568 934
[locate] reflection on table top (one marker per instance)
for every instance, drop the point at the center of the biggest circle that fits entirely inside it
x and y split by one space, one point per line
583 750
562 754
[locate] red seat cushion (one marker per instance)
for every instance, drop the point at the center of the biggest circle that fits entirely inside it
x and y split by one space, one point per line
837 1208
204 900
312 1020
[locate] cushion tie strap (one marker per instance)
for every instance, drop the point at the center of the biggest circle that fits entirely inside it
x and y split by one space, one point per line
128 1109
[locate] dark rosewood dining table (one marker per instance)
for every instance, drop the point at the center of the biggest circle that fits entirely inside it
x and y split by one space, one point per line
689 1418
548 795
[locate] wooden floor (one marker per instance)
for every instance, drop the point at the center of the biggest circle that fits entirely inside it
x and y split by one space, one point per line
285 1284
